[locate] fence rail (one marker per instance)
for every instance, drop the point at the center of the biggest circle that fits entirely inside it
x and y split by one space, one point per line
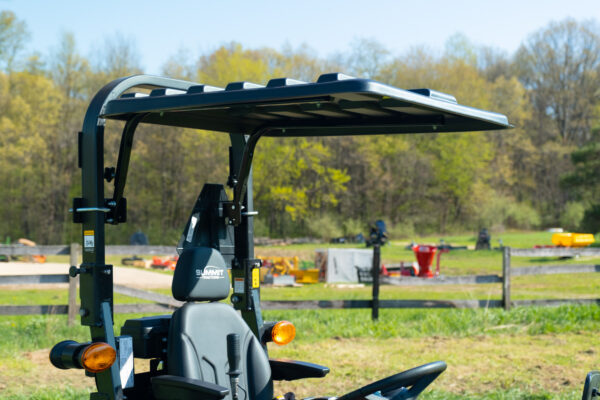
554 269
162 303
71 309
33 279
440 280
21 250
556 252
161 299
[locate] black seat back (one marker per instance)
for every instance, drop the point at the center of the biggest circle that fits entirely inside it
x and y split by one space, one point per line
197 346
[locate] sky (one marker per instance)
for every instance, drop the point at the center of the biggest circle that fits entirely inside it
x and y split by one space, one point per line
160 28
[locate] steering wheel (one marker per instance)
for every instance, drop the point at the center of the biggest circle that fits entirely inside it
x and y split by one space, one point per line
394 387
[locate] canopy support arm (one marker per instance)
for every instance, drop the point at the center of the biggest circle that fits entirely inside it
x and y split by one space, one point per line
96 282
233 209
245 298
124 157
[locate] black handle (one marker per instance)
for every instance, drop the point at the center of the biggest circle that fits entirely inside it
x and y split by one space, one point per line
233 353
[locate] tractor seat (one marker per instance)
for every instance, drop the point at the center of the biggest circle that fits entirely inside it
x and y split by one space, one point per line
197 351
201 362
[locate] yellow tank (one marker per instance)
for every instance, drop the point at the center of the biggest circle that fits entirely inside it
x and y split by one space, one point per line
572 239
287 266
306 275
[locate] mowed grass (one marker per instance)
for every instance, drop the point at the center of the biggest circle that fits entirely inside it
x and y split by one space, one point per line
563 286
518 366
522 288
55 296
526 353
456 262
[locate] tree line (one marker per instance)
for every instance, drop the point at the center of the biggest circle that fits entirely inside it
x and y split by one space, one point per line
544 172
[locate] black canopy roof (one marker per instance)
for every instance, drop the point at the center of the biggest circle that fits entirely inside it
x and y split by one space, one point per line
335 105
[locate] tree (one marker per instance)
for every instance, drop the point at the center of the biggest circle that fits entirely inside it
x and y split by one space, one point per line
13 34
233 63
27 126
366 59
178 66
585 181
585 178
560 65
68 69
71 74
459 48
292 180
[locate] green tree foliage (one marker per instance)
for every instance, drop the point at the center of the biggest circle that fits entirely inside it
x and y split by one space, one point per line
13 34
584 180
561 64
233 63
324 187
292 178
30 114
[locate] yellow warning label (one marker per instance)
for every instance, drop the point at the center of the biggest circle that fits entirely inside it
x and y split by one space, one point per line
255 277
88 233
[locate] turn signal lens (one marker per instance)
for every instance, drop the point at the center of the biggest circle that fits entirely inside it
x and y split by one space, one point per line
283 332
98 357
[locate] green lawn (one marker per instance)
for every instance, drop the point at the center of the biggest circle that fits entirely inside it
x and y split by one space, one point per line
523 288
457 262
526 353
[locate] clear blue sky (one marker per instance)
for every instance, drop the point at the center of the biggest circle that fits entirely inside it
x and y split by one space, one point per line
160 28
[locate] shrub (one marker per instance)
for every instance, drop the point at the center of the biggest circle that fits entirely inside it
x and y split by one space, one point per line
591 219
261 229
572 217
497 211
522 216
353 227
325 227
402 230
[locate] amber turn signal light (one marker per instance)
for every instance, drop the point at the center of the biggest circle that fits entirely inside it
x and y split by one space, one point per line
98 357
283 332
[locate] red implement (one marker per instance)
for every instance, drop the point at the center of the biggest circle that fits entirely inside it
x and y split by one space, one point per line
425 254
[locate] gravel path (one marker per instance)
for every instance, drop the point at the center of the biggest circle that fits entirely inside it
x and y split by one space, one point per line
132 277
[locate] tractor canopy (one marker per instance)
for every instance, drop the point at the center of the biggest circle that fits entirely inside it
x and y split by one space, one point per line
334 105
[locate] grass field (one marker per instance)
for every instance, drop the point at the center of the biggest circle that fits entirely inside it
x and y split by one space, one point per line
527 353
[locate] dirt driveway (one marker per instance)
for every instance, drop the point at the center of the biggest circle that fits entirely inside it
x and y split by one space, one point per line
132 277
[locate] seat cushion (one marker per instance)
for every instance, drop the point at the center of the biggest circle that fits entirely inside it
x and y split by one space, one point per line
197 349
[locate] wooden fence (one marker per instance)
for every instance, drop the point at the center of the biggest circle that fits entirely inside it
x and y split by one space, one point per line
71 309
162 303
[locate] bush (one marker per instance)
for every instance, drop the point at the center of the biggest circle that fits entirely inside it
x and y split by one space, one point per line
325 227
591 219
522 216
572 217
261 229
497 212
353 227
487 208
402 230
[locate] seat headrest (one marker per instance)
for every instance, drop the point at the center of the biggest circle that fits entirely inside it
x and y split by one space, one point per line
200 274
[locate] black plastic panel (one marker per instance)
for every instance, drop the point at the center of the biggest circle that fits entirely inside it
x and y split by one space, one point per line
149 335
336 104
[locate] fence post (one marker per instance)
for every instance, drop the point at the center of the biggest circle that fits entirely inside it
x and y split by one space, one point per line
506 278
375 271
74 251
